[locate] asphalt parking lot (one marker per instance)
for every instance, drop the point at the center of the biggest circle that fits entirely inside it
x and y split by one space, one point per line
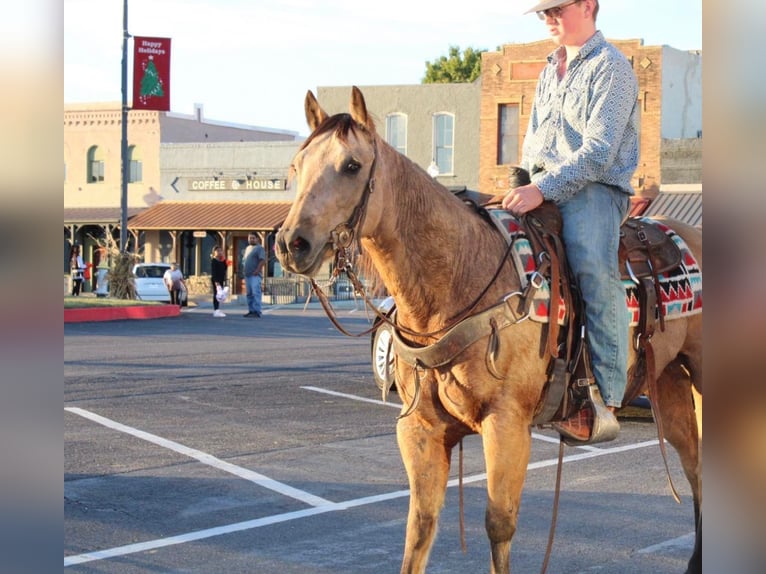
195 444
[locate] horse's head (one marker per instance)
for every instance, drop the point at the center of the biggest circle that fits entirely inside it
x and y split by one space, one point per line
332 173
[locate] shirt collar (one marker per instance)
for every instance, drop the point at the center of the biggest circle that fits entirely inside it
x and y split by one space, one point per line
560 53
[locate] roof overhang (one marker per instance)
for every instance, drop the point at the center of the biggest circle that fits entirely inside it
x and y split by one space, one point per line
97 215
216 215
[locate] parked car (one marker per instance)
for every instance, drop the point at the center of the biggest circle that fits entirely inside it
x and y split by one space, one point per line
383 370
149 283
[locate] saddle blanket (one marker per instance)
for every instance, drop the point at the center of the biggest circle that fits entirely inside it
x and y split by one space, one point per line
680 288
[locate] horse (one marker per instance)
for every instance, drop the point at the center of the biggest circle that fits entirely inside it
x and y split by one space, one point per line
436 257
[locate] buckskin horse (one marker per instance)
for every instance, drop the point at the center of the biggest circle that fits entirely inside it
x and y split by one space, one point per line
436 256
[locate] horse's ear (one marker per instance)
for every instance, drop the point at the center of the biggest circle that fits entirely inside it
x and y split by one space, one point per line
315 115
359 110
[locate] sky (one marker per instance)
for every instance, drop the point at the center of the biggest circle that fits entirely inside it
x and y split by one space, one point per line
251 61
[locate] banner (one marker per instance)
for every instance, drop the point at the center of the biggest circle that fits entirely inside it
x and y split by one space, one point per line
151 73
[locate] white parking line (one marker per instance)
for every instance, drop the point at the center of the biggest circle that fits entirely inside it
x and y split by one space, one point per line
320 505
353 397
192 536
330 507
207 459
537 436
685 542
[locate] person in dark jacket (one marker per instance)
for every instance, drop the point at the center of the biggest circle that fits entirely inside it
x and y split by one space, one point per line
218 278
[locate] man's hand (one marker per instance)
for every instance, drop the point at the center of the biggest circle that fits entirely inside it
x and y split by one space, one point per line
523 199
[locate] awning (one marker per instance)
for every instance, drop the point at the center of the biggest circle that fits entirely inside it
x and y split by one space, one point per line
97 215
217 215
686 207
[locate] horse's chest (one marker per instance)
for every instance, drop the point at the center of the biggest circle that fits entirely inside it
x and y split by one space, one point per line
460 400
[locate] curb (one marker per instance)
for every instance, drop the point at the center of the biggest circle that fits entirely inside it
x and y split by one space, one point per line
120 313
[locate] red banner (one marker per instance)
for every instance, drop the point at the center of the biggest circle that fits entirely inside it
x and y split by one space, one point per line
151 74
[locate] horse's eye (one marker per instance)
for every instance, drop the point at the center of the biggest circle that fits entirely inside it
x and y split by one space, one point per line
352 166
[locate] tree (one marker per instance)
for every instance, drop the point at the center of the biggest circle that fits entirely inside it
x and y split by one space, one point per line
456 68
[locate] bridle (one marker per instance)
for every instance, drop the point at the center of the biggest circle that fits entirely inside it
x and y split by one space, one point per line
343 237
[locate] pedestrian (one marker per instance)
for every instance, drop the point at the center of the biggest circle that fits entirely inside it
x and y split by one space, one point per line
218 279
581 150
174 281
76 269
253 261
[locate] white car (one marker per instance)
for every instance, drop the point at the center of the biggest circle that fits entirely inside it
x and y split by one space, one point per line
381 347
149 283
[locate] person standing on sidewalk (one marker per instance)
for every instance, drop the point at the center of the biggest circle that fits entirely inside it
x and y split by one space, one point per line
253 261
217 278
76 268
174 281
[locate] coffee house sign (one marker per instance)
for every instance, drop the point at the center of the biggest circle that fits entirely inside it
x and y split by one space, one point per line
230 184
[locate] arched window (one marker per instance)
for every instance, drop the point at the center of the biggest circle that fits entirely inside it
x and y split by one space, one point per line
95 165
396 132
444 142
135 165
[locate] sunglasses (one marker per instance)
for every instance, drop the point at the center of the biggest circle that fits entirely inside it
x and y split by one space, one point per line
555 12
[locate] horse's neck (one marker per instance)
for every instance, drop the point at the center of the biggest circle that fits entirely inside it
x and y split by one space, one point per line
433 255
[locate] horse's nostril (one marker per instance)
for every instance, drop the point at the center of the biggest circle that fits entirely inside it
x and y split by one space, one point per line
299 244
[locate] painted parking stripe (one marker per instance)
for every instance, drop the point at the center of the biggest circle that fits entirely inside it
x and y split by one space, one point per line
537 436
685 542
353 397
207 459
330 507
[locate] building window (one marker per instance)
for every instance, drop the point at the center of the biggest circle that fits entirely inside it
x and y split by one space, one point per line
444 142
508 134
95 165
396 132
135 165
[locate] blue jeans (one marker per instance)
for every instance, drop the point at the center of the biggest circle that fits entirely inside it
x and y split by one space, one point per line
591 238
254 294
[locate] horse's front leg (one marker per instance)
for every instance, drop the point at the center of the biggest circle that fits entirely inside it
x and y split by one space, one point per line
426 457
506 452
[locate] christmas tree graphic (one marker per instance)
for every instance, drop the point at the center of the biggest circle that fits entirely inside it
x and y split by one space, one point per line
151 83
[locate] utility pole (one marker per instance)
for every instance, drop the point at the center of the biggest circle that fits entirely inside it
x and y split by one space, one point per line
125 168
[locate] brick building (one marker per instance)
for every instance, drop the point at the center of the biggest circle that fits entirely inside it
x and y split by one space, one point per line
670 100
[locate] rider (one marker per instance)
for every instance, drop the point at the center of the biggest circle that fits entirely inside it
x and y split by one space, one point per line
581 149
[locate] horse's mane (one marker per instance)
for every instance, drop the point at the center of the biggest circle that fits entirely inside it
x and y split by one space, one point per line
341 124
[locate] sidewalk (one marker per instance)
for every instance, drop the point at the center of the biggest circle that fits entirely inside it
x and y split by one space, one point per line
204 304
197 304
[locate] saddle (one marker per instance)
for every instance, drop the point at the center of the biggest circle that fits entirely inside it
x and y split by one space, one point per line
644 252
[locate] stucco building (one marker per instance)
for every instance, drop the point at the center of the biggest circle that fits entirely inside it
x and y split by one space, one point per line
93 176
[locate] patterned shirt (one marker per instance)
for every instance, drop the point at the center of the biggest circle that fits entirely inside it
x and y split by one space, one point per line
584 127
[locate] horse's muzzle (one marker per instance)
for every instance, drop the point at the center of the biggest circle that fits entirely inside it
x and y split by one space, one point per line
293 251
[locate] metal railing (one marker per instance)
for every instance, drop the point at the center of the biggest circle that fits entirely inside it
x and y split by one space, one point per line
287 290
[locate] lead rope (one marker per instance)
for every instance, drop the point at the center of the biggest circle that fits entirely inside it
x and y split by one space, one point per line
555 513
462 506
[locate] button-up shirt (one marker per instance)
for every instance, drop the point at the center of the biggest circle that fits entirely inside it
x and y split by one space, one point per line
583 127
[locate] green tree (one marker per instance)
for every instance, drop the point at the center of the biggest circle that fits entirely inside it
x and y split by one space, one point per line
455 68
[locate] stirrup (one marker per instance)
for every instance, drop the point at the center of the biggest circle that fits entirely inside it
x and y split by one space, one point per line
605 425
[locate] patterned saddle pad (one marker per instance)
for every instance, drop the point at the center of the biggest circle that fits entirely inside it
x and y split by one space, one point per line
680 288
